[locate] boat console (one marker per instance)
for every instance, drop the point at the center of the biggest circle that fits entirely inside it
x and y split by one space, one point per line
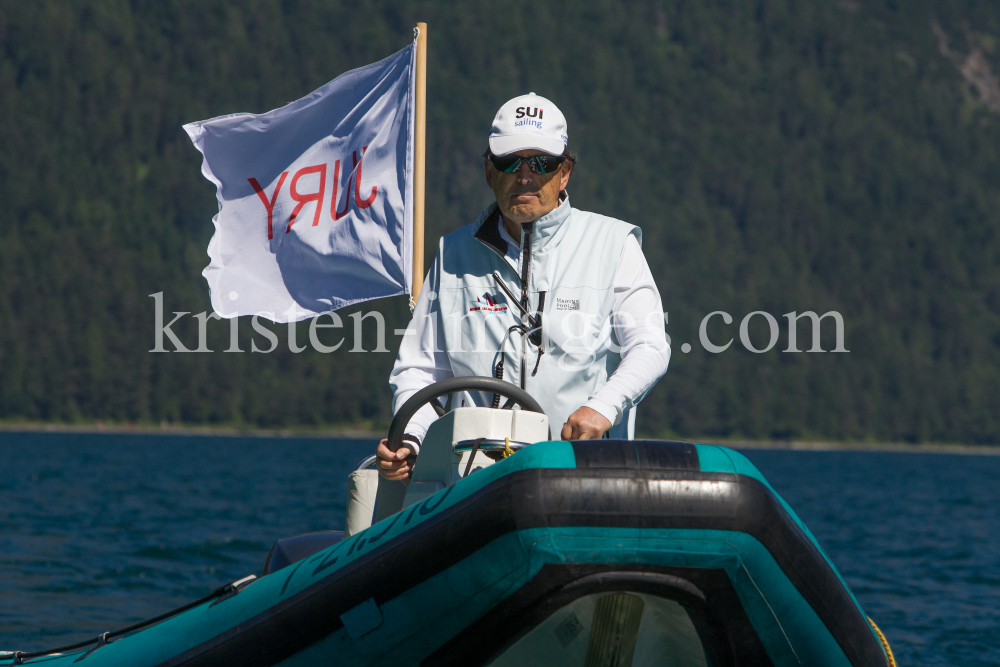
457 444
460 443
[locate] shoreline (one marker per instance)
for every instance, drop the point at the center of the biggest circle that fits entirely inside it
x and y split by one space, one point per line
342 433
365 432
837 446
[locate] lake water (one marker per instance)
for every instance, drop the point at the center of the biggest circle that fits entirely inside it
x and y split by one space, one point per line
99 531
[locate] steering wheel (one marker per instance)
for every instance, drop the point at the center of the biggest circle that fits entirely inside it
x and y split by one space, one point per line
467 383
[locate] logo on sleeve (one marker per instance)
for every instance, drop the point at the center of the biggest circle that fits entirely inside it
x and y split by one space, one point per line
487 303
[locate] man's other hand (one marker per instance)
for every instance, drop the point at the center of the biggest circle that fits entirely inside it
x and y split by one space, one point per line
584 424
394 465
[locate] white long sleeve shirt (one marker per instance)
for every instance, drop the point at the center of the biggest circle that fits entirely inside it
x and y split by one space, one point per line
638 328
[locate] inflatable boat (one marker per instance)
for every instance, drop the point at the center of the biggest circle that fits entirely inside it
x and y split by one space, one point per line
508 548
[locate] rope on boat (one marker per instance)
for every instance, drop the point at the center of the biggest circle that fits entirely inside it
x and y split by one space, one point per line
105 637
472 455
507 451
885 643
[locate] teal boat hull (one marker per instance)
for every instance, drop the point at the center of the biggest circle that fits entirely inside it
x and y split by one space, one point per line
469 575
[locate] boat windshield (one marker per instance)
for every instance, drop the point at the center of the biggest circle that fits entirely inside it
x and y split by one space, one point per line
611 630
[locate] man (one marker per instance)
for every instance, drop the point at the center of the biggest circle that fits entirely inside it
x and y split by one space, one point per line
580 323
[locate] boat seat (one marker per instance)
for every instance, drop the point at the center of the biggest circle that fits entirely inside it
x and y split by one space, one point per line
292 549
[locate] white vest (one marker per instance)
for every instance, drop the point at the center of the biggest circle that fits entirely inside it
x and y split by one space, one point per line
573 259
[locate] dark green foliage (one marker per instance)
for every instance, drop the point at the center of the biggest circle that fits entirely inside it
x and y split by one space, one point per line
779 156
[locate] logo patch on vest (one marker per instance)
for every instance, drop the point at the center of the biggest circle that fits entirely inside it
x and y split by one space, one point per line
487 303
567 304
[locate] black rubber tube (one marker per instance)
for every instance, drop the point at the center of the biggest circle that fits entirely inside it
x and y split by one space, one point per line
467 383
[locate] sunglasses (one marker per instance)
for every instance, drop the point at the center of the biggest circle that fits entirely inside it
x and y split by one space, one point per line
540 164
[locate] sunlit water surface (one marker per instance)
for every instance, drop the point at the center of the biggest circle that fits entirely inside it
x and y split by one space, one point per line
99 531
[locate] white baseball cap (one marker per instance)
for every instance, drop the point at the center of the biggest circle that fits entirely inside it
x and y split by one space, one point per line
528 122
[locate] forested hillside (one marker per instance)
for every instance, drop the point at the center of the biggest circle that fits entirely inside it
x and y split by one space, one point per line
779 156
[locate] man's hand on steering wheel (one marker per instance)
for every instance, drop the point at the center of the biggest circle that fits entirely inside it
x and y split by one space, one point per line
396 458
394 465
585 424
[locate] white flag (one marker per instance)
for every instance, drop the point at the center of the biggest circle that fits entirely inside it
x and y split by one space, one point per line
315 198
